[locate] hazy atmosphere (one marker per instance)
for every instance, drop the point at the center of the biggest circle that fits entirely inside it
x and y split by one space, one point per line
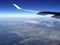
20 27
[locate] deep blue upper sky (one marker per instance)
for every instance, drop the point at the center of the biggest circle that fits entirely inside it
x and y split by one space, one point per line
6 6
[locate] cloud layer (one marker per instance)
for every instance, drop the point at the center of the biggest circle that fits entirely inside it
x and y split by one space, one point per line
32 29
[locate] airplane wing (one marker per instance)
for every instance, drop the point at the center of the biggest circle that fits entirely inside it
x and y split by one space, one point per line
18 7
55 14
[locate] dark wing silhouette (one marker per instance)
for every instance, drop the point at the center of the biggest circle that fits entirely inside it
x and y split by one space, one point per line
56 14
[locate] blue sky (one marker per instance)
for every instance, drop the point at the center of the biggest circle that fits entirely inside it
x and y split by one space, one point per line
7 8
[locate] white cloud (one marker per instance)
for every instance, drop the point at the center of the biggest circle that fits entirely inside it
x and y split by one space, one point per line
32 21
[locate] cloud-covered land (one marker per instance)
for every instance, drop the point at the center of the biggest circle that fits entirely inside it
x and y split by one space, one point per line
29 30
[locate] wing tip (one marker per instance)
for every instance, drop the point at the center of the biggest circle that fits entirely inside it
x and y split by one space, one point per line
16 6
